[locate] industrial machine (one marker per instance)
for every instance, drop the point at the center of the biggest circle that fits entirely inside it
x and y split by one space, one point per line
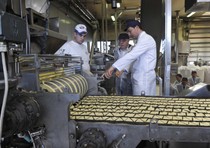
44 104
116 121
45 86
36 90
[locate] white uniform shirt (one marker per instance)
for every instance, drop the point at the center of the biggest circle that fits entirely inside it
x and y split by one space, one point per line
194 81
176 83
74 49
118 53
180 87
143 54
121 53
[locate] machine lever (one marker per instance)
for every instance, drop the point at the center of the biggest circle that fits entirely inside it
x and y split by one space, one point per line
117 142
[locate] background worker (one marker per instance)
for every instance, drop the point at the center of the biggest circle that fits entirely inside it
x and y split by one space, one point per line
77 48
123 81
183 85
143 56
178 79
194 79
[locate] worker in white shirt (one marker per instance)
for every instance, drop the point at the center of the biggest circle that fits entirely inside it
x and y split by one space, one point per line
144 56
178 79
123 81
183 85
194 79
77 48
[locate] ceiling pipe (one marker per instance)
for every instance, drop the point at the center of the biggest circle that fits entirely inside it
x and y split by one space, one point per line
120 11
115 28
81 7
103 7
106 28
73 6
129 8
62 4
79 10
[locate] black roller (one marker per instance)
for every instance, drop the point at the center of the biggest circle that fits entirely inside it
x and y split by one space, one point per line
92 138
21 114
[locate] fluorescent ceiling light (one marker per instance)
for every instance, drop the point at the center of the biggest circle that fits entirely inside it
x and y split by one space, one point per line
192 13
113 18
118 5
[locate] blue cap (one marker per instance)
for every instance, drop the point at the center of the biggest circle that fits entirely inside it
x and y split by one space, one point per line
132 23
123 36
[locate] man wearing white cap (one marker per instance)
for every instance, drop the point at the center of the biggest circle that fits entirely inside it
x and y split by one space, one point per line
77 48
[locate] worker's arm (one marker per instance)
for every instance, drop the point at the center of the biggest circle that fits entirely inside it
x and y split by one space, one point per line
108 73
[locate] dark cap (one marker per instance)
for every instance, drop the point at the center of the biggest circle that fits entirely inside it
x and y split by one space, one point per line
132 23
123 36
193 72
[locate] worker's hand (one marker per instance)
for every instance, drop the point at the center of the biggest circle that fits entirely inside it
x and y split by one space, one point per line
108 73
119 73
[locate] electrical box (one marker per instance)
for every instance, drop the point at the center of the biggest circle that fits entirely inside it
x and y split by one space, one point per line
12 28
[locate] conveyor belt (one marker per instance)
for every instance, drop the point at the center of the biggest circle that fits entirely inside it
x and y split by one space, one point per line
140 110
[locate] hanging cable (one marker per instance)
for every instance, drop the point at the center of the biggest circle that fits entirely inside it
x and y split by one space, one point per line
5 94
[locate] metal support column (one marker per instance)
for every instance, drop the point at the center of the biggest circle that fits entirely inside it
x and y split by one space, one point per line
106 28
93 45
115 27
177 36
103 7
167 70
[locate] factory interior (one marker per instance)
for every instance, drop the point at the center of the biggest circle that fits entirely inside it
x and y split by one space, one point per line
44 97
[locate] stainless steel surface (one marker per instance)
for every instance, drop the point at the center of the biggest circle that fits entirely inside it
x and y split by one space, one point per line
54 116
168 26
12 83
160 81
47 38
176 37
152 132
198 90
198 6
94 40
38 6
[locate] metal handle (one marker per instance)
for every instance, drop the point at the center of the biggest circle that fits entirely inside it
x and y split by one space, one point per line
160 80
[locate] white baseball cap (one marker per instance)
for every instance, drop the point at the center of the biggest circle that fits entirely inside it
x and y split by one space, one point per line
80 28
